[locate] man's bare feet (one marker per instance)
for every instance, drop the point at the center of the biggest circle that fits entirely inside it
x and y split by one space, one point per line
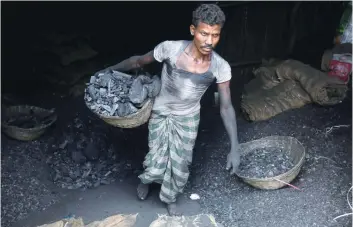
172 209
143 190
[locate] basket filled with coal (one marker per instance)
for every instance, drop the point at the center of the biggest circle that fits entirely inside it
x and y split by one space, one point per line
120 99
25 122
270 162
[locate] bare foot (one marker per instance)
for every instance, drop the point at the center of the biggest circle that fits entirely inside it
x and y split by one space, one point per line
172 209
142 191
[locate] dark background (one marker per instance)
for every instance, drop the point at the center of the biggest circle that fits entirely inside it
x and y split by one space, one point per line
118 30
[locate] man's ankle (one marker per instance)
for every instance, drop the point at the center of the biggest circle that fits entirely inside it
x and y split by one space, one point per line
172 209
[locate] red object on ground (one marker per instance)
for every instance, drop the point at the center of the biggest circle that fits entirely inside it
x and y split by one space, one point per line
341 68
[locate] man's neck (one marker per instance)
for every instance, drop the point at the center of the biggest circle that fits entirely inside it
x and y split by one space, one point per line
195 53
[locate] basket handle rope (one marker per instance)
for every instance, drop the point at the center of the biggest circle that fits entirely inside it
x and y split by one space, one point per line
290 185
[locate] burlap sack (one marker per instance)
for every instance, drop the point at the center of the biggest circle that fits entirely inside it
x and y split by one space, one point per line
112 221
287 85
71 222
326 59
268 103
201 220
322 88
115 221
266 76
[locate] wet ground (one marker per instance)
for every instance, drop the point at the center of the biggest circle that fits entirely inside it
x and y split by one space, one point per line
31 197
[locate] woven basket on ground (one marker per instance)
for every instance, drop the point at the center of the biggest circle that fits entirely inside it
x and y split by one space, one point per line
26 134
131 121
296 152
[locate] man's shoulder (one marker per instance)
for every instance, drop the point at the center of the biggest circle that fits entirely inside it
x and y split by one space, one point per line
173 44
221 62
221 68
170 46
166 49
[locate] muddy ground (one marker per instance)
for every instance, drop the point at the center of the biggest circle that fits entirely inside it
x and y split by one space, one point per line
27 178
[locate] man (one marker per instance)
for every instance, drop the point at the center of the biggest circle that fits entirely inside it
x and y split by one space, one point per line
189 68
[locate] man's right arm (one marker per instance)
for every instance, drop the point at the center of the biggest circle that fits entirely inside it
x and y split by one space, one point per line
133 62
161 52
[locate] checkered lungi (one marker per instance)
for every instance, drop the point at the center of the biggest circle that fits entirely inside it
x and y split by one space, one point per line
171 142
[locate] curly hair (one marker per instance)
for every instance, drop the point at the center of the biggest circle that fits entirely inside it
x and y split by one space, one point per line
209 14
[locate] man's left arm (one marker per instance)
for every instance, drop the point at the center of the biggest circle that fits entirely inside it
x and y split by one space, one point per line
230 123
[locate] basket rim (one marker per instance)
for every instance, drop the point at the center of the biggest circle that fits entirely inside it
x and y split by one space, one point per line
285 174
6 126
144 107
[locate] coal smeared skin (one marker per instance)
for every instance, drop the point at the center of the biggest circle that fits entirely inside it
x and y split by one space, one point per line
230 123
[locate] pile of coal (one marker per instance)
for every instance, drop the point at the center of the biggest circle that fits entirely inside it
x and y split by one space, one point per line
77 168
119 94
264 162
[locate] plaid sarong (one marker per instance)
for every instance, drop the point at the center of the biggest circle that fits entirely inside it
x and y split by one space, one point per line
171 142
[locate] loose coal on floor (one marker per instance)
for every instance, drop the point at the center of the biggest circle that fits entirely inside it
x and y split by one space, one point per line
119 94
85 158
264 162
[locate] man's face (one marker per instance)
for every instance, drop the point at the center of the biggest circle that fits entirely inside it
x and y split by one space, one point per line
206 37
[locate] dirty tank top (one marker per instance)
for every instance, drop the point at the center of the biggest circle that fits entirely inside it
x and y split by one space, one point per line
181 91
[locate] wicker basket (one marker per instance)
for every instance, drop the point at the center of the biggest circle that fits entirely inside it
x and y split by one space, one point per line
131 121
26 134
296 152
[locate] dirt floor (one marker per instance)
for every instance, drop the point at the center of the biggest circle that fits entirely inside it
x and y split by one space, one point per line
30 197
